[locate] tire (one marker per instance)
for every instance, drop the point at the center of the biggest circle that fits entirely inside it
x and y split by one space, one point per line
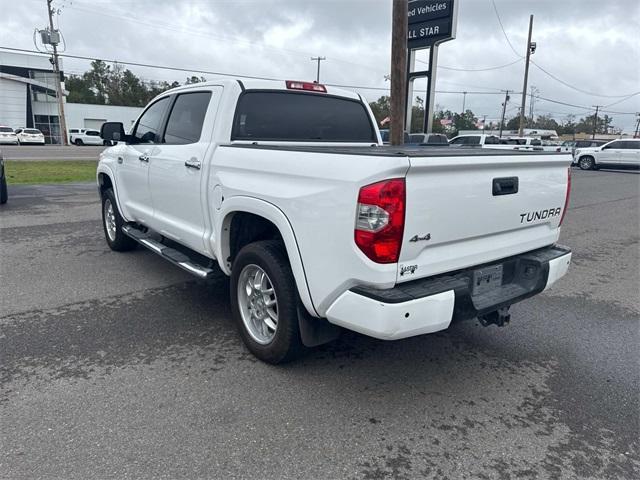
587 162
284 343
4 194
112 223
78 142
106 143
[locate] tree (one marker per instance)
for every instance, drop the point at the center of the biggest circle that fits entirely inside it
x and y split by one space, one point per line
381 108
194 79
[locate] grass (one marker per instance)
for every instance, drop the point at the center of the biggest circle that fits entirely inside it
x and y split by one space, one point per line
50 171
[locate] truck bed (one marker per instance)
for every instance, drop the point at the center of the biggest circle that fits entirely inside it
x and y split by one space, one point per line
396 151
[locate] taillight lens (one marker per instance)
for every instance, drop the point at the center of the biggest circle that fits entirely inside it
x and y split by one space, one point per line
566 199
380 220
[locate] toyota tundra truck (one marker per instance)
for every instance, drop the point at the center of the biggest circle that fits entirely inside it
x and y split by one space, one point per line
287 188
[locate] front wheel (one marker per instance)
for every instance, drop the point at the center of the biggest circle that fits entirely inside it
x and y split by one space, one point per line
264 302
78 142
112 223
587 163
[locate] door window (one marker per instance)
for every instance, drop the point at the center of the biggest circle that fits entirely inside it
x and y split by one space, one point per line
613 145
147 130
186 118
629 145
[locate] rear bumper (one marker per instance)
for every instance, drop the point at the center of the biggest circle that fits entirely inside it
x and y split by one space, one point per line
432 304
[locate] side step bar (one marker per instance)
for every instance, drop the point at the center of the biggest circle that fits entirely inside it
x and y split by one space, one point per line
171 254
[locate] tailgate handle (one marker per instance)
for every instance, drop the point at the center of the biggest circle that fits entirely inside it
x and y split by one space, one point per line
505 186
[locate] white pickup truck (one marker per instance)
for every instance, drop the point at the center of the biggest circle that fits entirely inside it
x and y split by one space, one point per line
287 188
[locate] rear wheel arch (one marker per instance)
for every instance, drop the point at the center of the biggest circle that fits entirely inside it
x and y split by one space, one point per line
247 220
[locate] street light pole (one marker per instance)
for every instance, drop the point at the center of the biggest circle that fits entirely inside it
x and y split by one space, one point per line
318 59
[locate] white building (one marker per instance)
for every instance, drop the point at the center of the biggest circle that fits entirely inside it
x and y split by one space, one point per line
28 99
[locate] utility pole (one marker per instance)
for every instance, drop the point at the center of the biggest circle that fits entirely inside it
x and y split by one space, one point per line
399 28
504 111
531 47
56 70
464 101
595 121
635 135
318 59
532 102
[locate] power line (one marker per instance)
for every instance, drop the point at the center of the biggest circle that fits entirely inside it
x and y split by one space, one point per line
482 69
226 74
506 37
579 89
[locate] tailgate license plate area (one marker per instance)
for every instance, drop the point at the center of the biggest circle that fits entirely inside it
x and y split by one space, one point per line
486 279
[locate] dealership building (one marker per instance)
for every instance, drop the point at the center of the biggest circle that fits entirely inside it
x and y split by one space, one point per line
28 99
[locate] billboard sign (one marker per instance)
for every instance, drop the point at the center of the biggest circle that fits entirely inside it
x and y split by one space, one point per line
431 22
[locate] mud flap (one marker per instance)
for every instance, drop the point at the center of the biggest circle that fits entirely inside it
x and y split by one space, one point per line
315 331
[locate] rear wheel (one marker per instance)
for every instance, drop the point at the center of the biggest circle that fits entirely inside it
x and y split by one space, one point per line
264 302
112 223
4 194
587 163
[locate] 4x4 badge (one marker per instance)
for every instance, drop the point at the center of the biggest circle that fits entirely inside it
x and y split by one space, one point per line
417 238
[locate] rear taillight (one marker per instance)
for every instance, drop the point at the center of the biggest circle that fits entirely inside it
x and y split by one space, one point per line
309 86
566 199
380 220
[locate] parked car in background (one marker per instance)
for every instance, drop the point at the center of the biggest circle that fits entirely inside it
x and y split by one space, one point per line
480 140
86 136
428 139
3 182
384 134
523 143
579 144
551 146
7 135
29 136
617 153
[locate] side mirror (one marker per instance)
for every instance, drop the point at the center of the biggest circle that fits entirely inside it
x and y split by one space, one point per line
113 131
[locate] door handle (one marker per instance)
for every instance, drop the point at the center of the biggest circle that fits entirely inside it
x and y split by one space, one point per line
144 158
193 163
505 186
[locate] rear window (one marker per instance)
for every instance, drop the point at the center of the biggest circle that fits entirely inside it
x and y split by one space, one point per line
32 131
301 117
6 129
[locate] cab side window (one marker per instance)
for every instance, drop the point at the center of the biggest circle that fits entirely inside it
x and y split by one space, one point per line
147 129
186 118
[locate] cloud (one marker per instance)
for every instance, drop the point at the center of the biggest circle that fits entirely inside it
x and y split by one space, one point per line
589 44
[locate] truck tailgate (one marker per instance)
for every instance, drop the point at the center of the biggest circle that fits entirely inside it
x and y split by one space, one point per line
469 210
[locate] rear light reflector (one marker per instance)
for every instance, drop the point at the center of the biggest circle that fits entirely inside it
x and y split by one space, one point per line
566 199
309 86
380 220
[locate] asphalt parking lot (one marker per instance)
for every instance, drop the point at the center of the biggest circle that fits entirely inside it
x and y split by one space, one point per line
121 366
50 152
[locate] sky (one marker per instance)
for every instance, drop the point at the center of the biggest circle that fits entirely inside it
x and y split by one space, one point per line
591 47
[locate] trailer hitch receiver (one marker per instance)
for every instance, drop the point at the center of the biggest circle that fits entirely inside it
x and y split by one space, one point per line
500 317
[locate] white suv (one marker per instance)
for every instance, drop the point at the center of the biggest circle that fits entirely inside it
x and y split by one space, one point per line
617 153
86 136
